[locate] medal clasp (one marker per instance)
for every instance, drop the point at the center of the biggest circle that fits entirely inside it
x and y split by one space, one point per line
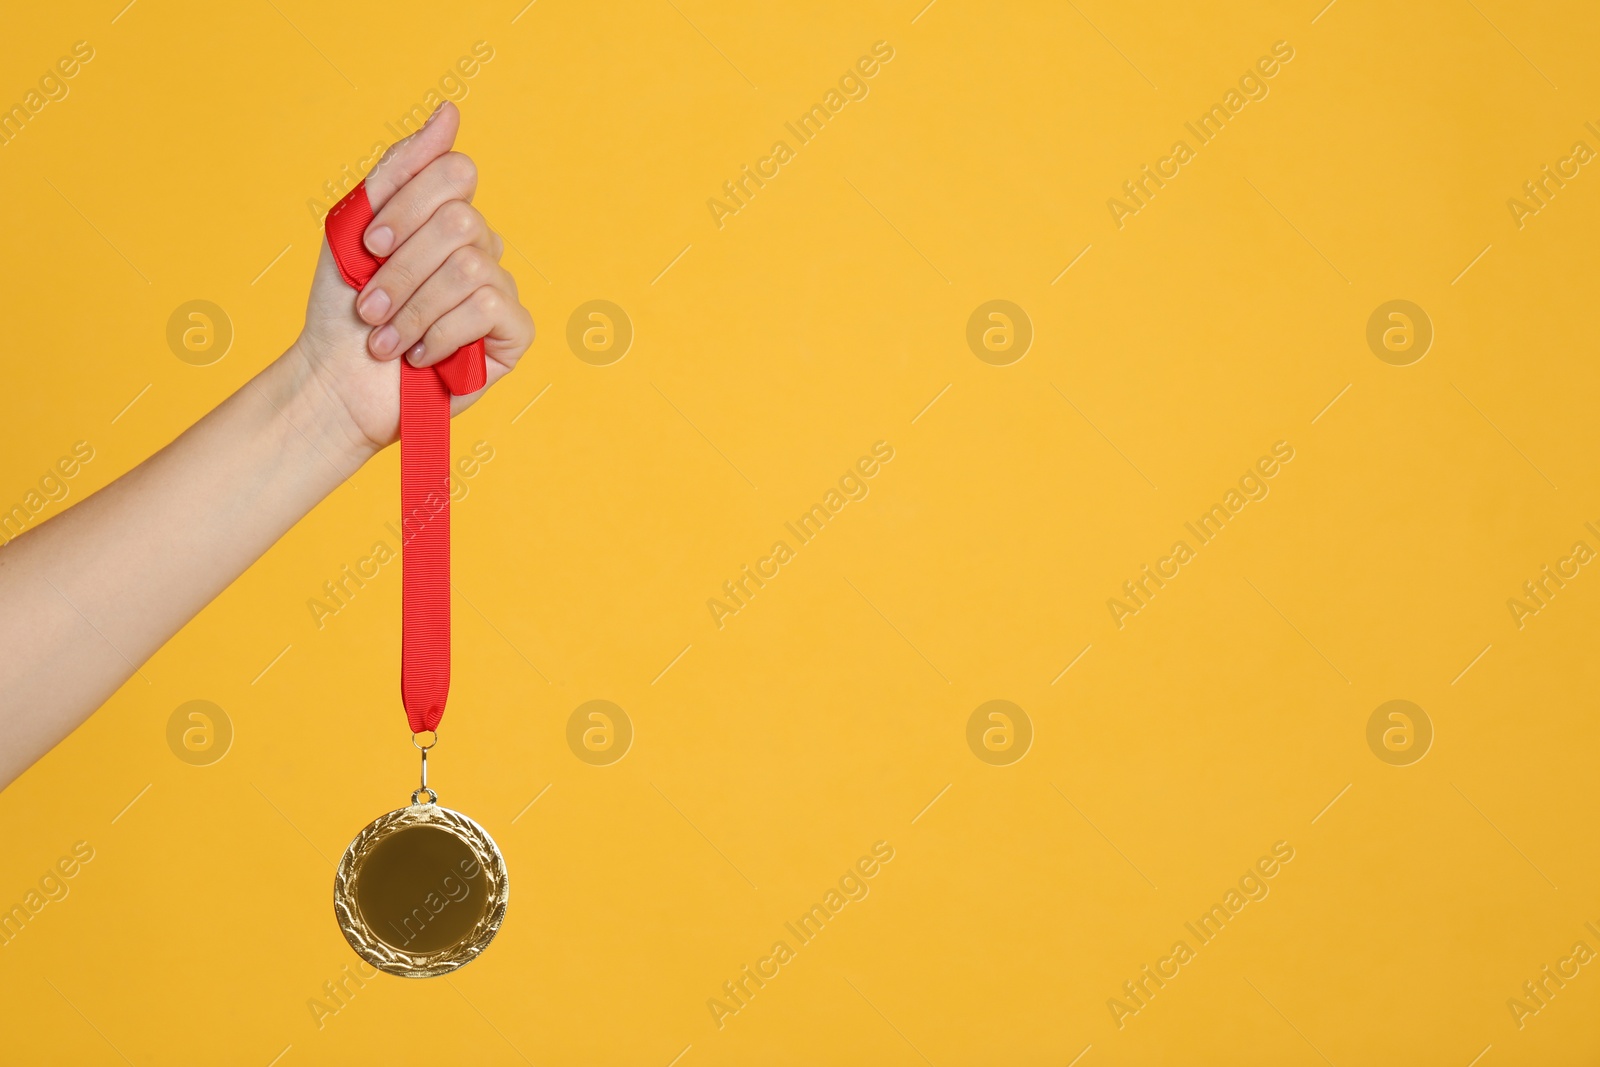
432 737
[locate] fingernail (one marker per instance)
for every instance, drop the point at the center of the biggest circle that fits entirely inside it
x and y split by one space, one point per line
373 305
415 355
384 340
380 240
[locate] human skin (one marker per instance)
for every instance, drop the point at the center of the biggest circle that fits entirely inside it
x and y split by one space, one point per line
92 593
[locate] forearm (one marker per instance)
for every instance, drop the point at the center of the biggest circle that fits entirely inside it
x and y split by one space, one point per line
88 596
94 592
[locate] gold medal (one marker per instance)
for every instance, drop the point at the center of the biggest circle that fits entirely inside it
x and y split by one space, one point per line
421 890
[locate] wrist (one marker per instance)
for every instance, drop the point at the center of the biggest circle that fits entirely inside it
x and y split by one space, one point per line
316 412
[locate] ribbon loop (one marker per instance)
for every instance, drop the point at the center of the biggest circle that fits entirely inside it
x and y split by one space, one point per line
463 371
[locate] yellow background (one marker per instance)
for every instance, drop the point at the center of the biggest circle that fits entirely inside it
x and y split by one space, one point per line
829 713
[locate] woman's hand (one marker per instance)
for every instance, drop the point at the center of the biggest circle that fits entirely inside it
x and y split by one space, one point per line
442 287
94 591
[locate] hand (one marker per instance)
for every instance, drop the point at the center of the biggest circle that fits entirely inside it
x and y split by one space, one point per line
442 287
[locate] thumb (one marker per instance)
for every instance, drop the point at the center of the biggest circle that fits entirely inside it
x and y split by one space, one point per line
403 160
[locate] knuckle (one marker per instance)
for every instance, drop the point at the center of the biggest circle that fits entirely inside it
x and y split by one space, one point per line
471 264
398 278
460 169
406 213
460 218
410 321
488 301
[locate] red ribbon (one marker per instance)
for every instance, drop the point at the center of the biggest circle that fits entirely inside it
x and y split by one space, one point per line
424 482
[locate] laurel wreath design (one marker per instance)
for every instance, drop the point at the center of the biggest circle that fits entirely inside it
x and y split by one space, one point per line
380 954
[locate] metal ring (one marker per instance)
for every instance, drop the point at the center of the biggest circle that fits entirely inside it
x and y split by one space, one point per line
433 739
433 798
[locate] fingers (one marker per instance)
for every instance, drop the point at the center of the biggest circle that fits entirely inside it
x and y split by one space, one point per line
455 225
409 157
451 176
442 285
487 312
463 272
